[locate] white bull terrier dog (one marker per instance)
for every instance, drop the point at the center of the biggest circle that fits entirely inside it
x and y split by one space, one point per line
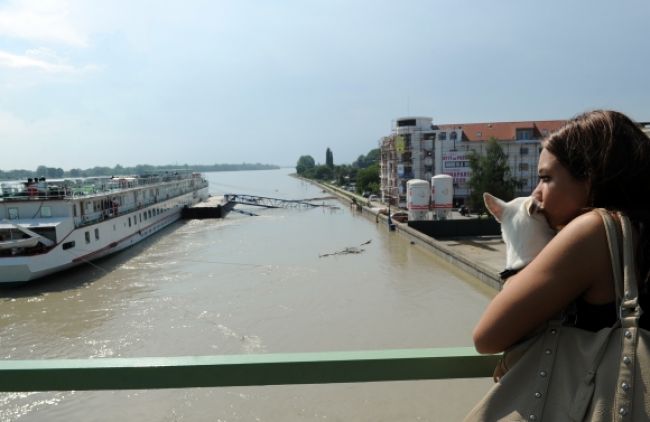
524 229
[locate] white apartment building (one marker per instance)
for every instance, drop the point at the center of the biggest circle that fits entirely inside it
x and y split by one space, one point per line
419 149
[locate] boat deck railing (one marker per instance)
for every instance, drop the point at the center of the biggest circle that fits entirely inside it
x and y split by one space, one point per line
100 186
108 213
243 370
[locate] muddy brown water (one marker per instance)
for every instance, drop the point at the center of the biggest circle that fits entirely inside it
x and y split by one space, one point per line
249 285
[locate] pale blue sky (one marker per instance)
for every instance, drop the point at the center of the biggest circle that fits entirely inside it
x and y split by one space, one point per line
88 83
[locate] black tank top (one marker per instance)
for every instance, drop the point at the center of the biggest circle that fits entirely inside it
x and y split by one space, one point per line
595 317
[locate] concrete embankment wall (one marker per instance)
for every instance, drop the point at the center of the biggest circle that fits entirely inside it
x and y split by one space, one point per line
481 272
455 228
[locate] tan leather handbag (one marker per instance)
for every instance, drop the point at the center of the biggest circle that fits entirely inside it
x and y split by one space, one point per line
569 374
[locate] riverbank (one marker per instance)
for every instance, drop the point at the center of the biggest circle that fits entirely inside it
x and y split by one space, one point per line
482 257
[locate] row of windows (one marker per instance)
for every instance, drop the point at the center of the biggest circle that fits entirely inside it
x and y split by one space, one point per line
145 214
440 135
120 200
44 211
87 235
520 135
443 136
456 164
465 164
524 134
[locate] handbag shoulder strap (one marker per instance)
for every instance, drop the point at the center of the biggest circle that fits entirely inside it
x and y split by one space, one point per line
614 251
625 281
630 305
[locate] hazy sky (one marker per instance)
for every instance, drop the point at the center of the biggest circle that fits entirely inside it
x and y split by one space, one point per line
87 83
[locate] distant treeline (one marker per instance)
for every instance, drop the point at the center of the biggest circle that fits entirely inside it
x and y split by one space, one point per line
57 173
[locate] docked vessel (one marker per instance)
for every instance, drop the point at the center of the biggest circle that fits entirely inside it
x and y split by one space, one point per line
47 226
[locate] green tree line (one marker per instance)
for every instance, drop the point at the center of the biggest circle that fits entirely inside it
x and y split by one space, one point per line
57 173
363 173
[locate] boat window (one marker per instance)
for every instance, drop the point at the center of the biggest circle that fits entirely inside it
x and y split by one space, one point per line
129 221
46 232
149 212
13 213
68 245
87 237
96 234
46 211
145 215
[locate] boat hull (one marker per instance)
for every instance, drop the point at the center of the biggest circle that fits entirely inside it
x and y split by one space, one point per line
98 240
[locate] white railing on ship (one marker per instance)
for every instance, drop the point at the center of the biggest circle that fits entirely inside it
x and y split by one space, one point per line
90 190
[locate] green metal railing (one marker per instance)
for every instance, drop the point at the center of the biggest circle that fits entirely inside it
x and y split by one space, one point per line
243 370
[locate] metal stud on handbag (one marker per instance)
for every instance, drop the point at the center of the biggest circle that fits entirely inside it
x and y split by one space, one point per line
569 374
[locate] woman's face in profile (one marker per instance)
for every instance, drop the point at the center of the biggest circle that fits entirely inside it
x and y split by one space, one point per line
560 194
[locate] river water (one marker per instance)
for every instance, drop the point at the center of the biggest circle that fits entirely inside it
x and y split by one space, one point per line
249 285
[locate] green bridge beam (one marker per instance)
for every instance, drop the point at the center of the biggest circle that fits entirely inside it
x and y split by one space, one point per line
243 370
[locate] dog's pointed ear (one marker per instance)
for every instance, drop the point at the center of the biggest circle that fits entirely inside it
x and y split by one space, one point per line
531 205
494 205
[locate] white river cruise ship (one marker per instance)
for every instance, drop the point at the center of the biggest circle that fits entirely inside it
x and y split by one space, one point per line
50 225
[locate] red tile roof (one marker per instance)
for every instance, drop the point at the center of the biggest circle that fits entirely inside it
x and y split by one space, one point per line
503 131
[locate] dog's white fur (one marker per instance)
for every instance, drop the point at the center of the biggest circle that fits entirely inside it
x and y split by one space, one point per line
524 229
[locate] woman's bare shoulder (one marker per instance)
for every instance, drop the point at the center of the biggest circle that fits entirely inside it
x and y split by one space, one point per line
578 253
582 237
591 255
569 266
587 225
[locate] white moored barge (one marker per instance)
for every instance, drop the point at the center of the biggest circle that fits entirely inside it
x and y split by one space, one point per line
48 226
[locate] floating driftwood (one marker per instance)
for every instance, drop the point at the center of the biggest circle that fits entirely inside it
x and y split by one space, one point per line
347 251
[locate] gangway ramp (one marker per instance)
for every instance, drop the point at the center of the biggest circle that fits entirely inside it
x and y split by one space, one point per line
266 202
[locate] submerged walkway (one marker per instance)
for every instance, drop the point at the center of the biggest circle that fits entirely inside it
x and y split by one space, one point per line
266 202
